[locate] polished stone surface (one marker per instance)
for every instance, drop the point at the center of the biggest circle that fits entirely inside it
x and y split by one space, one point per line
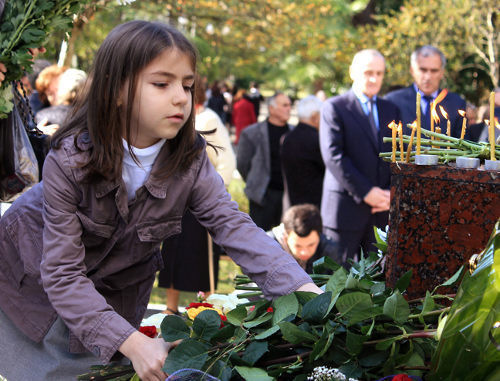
440 216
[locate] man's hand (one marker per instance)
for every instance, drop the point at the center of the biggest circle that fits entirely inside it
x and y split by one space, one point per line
379 199
147 355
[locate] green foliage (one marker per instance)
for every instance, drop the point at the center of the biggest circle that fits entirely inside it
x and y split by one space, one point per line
26 25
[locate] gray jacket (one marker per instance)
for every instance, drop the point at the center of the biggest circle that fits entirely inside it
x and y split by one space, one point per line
83 252
254 160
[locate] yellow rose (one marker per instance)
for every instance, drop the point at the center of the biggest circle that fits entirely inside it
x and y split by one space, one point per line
193 312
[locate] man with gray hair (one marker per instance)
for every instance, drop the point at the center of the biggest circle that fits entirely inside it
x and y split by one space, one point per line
356 193
259 162
303 167
427 66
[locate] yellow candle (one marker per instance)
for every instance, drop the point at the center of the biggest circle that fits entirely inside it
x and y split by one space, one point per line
419 125
393 127
408 152
464 123
401 144
492 126
432 117
448 128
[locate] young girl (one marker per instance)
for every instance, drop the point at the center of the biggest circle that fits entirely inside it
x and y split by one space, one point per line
79 252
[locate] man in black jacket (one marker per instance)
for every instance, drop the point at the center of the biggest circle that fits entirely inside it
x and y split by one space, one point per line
300 235
303 167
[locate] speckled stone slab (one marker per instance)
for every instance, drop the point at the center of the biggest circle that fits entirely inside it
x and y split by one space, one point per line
440 216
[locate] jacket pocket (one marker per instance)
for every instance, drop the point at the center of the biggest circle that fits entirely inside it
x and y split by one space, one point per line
157 231
94 233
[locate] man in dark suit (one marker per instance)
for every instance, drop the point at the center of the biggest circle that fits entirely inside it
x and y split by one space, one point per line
303 167
427 70
356 192
259 163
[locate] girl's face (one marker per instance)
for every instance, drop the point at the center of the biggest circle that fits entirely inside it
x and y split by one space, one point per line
163 99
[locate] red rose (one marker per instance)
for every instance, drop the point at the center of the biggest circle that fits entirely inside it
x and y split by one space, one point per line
149 331
251 308
196 305
270 309
223 318
402 377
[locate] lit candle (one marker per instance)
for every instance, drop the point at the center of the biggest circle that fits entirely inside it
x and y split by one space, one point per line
408 152
492 126
433 110
393 127
401 144
448 126
419 125
464 123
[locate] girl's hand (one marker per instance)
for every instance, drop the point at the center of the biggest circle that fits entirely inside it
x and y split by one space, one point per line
3 69
147 355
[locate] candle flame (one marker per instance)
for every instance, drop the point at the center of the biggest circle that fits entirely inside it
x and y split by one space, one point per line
441 96
462 113
392 125
497 124
434 113
443 112
400 127
413 125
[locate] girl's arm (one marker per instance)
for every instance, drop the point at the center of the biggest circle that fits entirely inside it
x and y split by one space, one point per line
260 257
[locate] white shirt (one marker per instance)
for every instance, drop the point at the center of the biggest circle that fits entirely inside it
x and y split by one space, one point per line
134 175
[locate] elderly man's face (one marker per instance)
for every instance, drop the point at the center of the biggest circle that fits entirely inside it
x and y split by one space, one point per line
427 73
282 109
368 74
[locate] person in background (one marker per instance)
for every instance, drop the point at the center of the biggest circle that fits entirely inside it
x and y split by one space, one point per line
301 235
243 113
259 162
217 102
79 251
34 99
427 65
186 255
255 97
303 167
70 83
356 193
47 83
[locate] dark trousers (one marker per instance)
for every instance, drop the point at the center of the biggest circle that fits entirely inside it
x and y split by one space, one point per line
268 214
351 242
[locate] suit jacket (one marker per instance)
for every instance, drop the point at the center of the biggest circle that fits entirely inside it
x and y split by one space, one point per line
350 151
303 167
253 160
406 100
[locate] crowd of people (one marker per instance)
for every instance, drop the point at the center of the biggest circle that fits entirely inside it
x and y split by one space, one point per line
129 185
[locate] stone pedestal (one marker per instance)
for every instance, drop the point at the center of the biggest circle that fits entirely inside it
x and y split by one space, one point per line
440 216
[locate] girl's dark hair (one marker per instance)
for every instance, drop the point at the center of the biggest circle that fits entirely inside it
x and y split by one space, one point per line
125 52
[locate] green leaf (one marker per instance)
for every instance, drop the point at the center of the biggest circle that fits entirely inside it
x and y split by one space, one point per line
355 306
336 283
325 264
135 377
352 282
354 342
254 352
237 315
403 282
454 278
190 353
322 345
31 35
294 334
240 334
223 334
285 306
315 310
396 307
267 332
206 324
253 374
372 359
260 320
173 328
377 288
221 370
260 307
304 296
429 304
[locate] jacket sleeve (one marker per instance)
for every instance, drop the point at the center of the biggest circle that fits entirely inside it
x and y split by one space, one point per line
245 153
74 297
332 140
259 256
